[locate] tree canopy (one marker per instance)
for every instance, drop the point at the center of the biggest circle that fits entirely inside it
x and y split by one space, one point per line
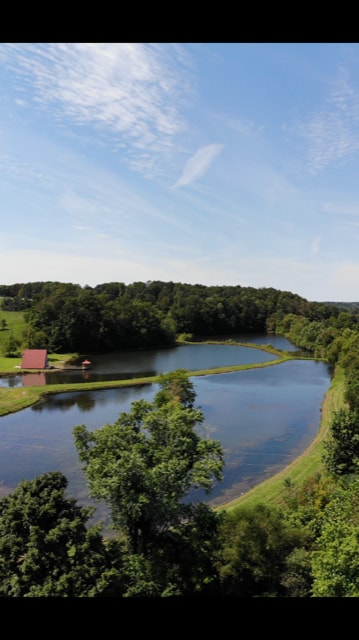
335 558
144 466
341 448
65 317
46 548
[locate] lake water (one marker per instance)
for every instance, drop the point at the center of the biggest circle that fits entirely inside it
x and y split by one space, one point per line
134 364
264 418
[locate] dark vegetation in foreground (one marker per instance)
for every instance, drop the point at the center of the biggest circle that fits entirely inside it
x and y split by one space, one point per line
143 466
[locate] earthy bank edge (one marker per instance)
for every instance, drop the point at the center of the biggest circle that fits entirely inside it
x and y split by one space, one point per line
269 491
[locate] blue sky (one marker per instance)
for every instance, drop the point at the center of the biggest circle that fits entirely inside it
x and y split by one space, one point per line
208 163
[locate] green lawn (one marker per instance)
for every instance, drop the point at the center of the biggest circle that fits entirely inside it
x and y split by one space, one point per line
14 325
15 322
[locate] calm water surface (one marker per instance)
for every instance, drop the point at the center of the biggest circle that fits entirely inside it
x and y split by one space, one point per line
131 364
264 418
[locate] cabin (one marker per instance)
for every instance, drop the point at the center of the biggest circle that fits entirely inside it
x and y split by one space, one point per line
34 359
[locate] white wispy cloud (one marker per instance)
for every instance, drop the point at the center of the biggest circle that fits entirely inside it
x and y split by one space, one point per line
314 247
245 127
198 164
132 91
333 132
349 208
31 172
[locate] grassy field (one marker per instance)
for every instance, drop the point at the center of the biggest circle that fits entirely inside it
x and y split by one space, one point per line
14 326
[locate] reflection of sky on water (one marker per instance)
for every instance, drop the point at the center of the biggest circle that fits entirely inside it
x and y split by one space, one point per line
261 401
264 418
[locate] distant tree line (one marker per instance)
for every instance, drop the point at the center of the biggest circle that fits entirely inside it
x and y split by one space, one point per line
65 317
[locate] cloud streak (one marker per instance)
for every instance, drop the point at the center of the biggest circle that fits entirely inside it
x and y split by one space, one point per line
131 91
332 133
314 247
198 164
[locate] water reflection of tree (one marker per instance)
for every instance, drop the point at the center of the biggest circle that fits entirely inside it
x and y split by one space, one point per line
13 381
85 402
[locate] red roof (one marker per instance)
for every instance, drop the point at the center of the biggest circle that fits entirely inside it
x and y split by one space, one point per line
34 359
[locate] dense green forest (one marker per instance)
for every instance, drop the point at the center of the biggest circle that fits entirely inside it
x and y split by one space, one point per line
145 463
68 318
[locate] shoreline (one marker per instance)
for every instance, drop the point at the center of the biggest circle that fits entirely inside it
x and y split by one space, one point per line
269 490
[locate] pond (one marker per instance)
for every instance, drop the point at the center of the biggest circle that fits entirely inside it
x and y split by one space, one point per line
125 365
264 418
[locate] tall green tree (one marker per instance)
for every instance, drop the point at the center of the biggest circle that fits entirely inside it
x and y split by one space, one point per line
46 547
11 346
341 449
256 544
335 560
144 466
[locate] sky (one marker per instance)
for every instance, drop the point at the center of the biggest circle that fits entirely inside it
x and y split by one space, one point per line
200 163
